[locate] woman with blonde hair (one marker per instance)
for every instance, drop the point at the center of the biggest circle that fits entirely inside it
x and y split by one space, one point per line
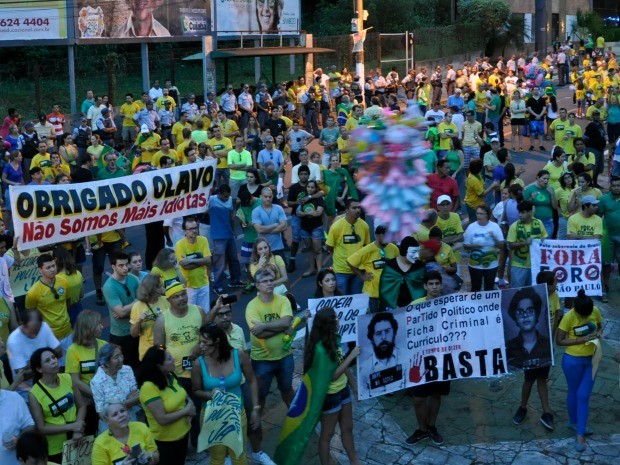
82 361
262 256
151 302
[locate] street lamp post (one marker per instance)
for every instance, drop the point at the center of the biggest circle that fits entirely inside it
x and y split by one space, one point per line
359 61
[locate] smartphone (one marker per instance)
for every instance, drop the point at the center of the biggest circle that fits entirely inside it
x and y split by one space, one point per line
229 299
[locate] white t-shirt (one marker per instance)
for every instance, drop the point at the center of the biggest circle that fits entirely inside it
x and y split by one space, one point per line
484 237
14 419
21 347
438 115
315 172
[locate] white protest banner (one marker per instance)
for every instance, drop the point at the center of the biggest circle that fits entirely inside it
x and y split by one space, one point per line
24 274
347 307
222 423
452 337
59 213
577 264
78 452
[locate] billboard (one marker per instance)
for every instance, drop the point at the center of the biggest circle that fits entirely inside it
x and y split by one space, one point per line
135 19
257 16
40 20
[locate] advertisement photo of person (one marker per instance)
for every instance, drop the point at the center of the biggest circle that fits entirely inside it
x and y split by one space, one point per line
526 328
381 361
141 22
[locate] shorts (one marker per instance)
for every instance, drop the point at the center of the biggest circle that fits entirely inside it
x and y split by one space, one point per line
436 388
246 253
536 373
265 371
611 248
128 133
518 122
537 127
295 227
316 233
334 402
520 277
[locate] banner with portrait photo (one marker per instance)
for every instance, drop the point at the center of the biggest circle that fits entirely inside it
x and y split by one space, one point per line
47 214
527 327
455 336
40 20
577 264
136 19
257 17
347 308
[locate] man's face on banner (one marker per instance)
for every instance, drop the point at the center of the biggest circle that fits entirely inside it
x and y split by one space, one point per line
383 340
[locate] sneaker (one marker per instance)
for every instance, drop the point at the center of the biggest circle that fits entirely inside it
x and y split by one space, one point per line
531 148
435 436
578 446
588 432
519 416
100 299
291 266
542 148
417 436
503 284
236 284
604 297
262 458
227 273
547 421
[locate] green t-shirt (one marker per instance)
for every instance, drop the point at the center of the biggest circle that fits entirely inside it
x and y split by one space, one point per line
497 102
542 201
609 209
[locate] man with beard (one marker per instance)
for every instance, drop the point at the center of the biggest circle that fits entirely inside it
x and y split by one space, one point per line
382 369
427 397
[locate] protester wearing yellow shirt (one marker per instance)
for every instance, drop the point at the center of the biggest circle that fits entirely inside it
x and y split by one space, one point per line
571 132
49 295
520 236
578 329
221 146
127 110
150 303
149 143
598 105
346 236
343 147
177 128
194 258
368 262
166 404
446 130
356 113
165 151
586 224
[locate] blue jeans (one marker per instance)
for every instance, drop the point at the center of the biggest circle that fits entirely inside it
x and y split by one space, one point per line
349 283
222 176
562 227
578 373
520 277
265 371
225 250
548 223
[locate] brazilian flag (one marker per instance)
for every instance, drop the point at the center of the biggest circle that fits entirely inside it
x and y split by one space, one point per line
305 411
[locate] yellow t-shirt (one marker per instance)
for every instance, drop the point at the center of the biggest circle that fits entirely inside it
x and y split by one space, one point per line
575 325
177 131
149 146
473 192
451 226
5 317
182 337
128 110
108 450
340 383
146 327
181 151
351 123
587 159
345 153
572 131
581 226
53 310
555 173
563 196
554 307
591 109
172 154
346 239
75 282
445 128
229 127
271 348
446 256
198 277
57 413
174 398
559 127
521 257
160 105
168 276
370 259
422 234
480 99
221 145
83 361
274 260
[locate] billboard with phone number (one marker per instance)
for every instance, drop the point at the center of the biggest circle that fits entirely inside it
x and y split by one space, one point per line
40 20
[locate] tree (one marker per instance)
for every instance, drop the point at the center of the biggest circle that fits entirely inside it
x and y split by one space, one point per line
493 17
587 22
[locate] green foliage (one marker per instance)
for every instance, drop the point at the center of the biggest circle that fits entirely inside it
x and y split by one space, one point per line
588 22
490 14
332 17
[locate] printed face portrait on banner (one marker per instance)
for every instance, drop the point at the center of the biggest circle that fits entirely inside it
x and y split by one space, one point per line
257 16
527 327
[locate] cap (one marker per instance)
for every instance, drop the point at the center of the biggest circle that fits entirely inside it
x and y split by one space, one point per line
443 198
144 129
105 110
83 119
150 102
380 229
173 289
589 199
495 139
29 124
191 96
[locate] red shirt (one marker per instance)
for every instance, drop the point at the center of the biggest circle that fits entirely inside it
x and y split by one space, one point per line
57 120
442 186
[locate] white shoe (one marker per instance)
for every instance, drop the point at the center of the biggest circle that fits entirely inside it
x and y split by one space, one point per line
262 458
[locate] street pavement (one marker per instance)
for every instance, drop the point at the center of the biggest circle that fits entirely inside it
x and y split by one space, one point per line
475 421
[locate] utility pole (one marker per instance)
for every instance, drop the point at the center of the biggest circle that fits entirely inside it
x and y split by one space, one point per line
359 59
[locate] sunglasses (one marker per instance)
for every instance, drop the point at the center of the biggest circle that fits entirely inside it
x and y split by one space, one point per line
126 289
